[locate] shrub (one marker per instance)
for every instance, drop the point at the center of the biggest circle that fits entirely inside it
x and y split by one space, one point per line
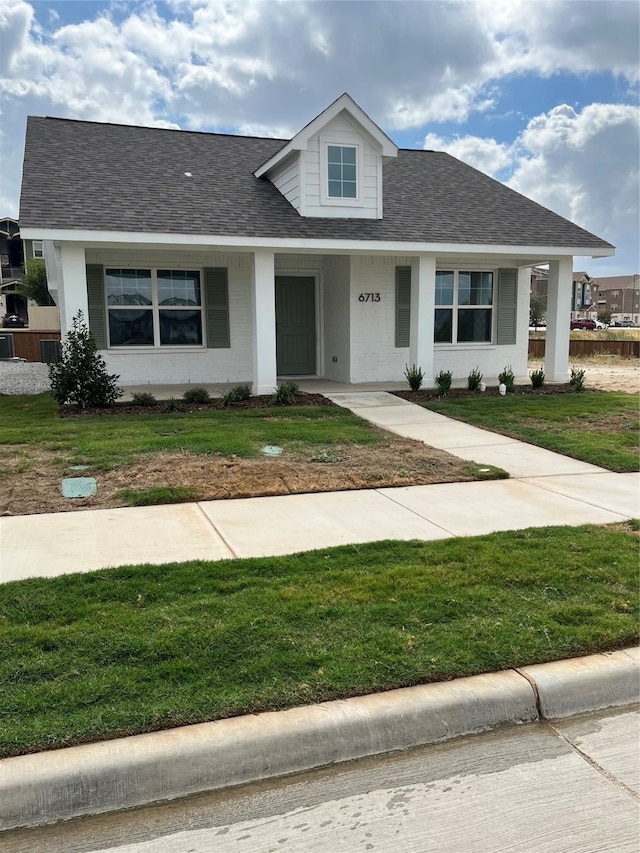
507 377
537 378
143 398
286 394
578 379
79 374
443 382
414 376
198 394
235 395
474 379
172 404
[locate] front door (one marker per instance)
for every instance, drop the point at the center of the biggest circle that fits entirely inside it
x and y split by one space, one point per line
295 325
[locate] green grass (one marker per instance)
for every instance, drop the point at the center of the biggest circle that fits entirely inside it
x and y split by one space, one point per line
119 651
601 428
158 495
105 441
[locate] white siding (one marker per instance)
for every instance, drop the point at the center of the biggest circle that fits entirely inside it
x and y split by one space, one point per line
340 131
286 177
168 365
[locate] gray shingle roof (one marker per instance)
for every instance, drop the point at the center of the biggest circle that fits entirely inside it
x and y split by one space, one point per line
84 175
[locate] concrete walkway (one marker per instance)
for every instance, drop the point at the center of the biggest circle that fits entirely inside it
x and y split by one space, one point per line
546 489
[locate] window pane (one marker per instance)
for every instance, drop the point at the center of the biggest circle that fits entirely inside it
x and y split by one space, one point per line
349 189
128 287
475 288
334 153
179 287
349 173
349 155
444 288
335 171
474 325
180 327
131 328
335 189
443 325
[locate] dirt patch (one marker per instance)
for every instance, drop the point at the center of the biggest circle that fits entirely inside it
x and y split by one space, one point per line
34 487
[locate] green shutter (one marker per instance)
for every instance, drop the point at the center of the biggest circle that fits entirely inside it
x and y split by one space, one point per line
403 305
217 307
95 298
507 305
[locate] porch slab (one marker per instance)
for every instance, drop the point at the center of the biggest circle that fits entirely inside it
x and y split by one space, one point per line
473 509
256 527
618 493
367 399
60 543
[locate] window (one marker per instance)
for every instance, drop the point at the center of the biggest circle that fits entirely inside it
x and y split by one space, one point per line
464 307
150 307
341 171
38 251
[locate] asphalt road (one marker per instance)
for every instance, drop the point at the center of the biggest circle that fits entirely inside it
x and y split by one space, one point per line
570 787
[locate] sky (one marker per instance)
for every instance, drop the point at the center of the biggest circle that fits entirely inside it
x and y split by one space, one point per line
542 95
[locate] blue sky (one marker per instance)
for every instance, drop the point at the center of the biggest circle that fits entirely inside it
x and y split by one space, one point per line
541 94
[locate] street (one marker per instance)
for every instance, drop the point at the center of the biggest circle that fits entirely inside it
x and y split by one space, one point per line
568 787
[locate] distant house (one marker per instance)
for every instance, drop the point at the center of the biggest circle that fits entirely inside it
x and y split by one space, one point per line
620 295
213 258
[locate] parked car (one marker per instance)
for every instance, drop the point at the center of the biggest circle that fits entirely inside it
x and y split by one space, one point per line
13 321
583 324
623 324
600 325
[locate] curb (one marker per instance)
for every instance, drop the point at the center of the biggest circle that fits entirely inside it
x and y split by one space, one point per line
111 775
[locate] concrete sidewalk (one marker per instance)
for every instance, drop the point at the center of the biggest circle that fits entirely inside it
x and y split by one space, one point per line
546 489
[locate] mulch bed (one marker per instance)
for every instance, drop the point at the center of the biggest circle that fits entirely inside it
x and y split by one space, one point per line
432 396
264 401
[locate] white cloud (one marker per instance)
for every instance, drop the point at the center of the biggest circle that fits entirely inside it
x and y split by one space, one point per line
583 165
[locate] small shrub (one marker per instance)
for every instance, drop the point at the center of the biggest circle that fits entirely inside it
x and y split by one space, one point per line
578 379
414 376
143 398
443 382
474 379
198 394
172 404
79 374
286 394
507 377
537 378
235 395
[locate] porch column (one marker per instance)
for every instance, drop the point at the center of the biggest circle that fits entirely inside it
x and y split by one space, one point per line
556 358
423 294
74 285
263 314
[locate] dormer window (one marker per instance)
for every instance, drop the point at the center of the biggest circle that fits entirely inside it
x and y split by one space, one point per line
342 171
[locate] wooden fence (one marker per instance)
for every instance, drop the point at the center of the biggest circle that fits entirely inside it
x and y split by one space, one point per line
26 344
587 349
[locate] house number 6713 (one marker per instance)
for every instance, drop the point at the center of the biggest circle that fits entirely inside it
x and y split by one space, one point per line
369 297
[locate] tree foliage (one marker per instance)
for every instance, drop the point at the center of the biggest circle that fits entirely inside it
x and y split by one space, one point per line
34 283
604 317
79 375
537 310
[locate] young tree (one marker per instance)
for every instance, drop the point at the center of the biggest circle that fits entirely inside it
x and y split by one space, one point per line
34 283
604 317
537 310
79 375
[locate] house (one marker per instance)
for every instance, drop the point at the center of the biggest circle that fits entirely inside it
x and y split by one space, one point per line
620 295
203 257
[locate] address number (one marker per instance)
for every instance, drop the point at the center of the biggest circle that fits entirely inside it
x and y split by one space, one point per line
369 297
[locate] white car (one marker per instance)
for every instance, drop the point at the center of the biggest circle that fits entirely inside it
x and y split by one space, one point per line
600 325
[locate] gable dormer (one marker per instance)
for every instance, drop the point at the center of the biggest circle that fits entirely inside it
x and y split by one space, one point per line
333 166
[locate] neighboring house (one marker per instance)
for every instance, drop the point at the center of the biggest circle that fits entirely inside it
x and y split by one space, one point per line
620 294
11 269
202 257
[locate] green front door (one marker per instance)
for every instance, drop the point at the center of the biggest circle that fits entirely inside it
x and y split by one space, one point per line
295 325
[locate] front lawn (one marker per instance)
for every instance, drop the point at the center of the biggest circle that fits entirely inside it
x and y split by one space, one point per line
146 458
597 427
120 651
